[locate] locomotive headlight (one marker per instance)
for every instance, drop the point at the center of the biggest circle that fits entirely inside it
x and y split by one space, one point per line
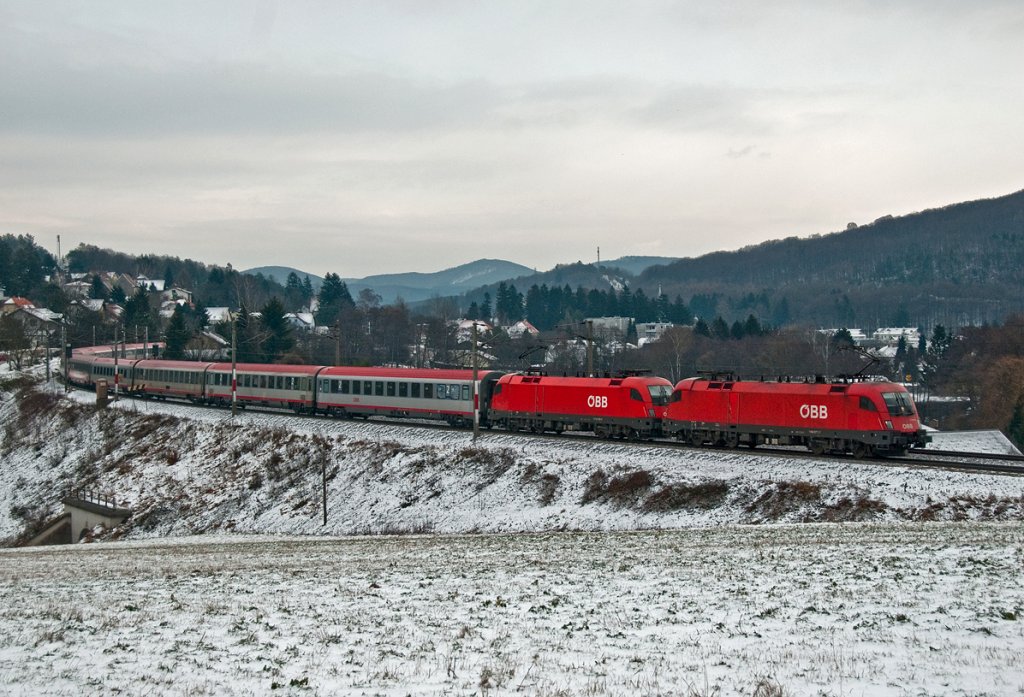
888 425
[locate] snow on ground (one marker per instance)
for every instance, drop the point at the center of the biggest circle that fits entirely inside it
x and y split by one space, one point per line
857 609
974 442
192 471
663 588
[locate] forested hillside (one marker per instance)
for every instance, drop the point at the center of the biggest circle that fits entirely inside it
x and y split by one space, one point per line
957 266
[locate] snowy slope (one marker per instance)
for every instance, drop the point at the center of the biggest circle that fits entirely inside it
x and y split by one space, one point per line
190 471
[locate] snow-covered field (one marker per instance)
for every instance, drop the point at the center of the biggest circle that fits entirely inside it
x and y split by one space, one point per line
609 568
823 609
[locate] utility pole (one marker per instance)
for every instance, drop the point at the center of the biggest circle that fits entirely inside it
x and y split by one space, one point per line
47 357
475 395
234 364
64 353
590 347
117 375
337 342
323 477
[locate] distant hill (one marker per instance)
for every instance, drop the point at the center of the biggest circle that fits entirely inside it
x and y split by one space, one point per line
413 287
958 265
280 275
637 265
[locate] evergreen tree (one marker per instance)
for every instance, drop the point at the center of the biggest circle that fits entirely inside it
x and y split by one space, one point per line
334 298
509 304
719 329
98 291
178 336
702 328
842 337
679 312
752 327
200 320
278 340
486 312
137 312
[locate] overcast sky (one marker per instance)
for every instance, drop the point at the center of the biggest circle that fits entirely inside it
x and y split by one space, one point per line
374 137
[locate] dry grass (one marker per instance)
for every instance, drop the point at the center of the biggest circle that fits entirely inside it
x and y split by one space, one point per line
622 491
702 496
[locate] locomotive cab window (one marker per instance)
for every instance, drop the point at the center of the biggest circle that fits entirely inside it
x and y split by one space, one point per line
634 394
867 405
660 394
677 396
898 403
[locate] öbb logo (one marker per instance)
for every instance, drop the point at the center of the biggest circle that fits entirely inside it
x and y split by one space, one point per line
597 402
813 411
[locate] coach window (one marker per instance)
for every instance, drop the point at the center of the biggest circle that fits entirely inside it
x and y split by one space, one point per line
344 386
465 393
403 389
442 391
355 386
378 389
415 390
428 390
366 387
391 389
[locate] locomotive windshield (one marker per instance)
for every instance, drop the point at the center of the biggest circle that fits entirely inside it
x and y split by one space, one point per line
660 394
898 403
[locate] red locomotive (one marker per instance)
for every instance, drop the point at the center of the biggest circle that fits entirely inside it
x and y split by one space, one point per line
863 418
623 407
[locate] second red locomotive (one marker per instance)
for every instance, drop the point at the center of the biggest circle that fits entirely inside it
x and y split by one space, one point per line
621 407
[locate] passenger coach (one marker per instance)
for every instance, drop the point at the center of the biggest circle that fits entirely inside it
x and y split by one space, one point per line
404 392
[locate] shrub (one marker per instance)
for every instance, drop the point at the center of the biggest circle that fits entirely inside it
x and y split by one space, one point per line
702 496
621 491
